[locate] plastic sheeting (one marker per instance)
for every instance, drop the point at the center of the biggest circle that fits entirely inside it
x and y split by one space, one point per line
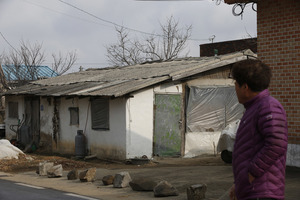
8 151
211 109
201 143
227 137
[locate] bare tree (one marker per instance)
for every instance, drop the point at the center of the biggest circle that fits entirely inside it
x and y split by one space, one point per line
125 52
23 63
62 64
168 45
3 81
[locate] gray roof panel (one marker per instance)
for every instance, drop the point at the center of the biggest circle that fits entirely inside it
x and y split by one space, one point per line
119 81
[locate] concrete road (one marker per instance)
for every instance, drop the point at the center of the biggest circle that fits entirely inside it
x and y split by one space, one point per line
218 178
20 191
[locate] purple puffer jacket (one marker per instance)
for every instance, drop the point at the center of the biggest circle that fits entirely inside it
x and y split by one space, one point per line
260 149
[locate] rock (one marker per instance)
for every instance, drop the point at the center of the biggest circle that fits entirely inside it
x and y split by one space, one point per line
108 180
44 167
196 192
165 189
88 175
143 184
122 180
73 174
55 171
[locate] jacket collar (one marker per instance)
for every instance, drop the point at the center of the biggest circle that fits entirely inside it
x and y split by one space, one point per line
257 98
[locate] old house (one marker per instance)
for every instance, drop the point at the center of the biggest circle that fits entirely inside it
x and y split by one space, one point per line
169 108
12 76
278 45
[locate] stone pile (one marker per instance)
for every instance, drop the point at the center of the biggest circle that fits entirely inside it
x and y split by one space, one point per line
50 170
160 188
123 179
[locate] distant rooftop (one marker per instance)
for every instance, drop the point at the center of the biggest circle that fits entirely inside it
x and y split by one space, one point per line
41 72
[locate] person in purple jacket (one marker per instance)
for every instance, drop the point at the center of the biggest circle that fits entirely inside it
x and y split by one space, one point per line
259 155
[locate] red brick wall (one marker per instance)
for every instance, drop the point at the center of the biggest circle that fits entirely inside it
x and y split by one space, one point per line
278 35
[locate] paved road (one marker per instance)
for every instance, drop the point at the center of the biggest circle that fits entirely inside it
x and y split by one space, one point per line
20 191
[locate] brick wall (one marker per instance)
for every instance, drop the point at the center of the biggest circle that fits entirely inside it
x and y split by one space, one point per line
278 35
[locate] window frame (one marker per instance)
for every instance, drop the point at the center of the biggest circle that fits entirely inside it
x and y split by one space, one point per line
74 116
100 113
13 110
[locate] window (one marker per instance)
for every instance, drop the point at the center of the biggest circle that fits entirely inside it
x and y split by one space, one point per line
74 115
100 113
13 110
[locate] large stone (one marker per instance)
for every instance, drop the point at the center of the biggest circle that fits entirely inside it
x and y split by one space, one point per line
55 171
196 192
108 180
122 180
143 184
73 174
44 167
88 175
165 189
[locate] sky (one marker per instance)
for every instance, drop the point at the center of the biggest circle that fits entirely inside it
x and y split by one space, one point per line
88 26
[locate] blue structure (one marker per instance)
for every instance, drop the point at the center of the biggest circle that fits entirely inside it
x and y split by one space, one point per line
32 73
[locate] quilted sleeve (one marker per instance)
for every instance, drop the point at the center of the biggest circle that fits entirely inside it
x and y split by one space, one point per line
272 125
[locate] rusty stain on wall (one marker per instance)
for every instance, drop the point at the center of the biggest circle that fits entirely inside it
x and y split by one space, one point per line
108 152
55 121
45 142
65 147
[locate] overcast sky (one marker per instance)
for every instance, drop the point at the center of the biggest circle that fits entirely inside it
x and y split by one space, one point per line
87 26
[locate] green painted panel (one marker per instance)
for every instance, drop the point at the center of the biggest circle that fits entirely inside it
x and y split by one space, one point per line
167 137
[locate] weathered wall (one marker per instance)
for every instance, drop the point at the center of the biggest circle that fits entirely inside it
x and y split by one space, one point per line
108 144
139 124
13 121
139 119
46 127
278 34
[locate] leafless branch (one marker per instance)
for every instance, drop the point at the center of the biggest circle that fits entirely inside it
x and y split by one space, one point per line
61 64
169 46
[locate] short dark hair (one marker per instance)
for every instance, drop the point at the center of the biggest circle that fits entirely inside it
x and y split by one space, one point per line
254 73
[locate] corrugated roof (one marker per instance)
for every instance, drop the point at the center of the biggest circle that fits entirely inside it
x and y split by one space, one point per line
119 81
12 73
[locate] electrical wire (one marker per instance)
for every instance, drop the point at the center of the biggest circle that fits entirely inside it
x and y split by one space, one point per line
241 6
107 21
9 43
117 25
62 13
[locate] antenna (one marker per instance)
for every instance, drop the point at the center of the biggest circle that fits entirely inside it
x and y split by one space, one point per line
211 38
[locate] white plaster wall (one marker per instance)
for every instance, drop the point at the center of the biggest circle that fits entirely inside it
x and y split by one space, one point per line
139 116
9 134
104 143
46 115
293 155
211 82
168 88
139 119
67 131
111 143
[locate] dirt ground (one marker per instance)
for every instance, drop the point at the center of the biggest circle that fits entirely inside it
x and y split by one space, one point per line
30 162
180 172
